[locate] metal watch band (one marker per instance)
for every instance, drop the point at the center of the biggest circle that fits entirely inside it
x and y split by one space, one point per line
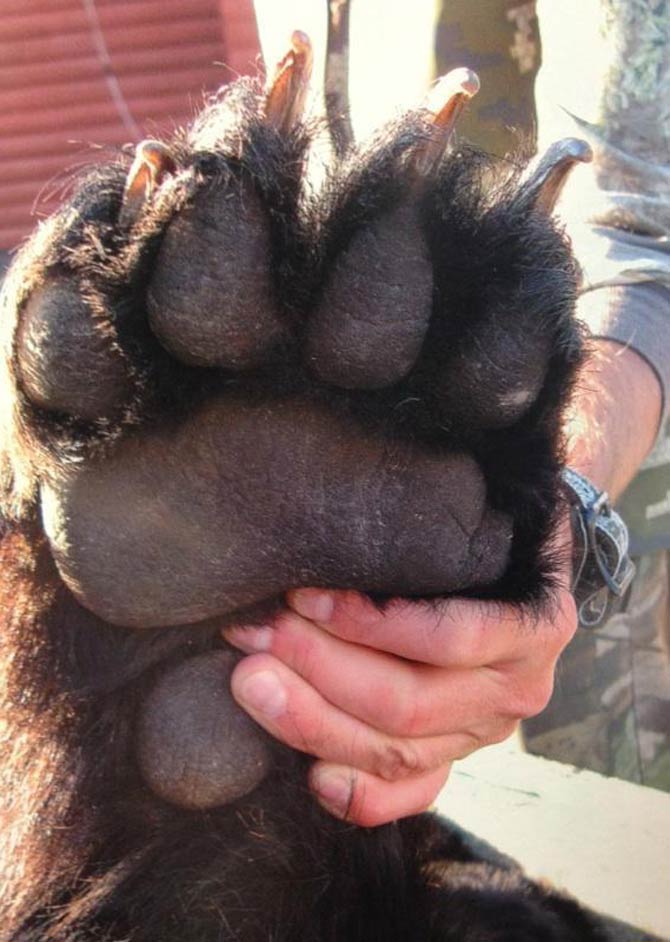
602 570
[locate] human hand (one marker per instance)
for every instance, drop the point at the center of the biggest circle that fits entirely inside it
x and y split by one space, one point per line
386 701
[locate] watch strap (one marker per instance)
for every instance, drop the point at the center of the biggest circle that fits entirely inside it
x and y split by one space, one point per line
602 568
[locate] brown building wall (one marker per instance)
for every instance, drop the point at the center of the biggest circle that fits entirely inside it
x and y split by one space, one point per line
80 78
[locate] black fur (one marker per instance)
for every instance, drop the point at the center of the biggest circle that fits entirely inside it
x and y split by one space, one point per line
87 852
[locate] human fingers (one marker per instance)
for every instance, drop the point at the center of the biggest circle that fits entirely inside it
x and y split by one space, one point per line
396 696
368 800
295 712
454 632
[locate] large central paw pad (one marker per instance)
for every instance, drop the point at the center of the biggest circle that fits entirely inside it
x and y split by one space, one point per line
238 385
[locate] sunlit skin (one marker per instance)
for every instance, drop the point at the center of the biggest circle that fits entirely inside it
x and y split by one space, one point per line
386 702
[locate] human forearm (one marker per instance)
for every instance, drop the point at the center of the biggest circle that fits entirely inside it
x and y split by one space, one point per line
617 210
615 412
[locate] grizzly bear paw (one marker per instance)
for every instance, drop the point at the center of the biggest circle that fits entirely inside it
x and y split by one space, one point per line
240 385
226 382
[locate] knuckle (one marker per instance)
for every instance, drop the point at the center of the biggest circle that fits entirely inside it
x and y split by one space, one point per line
562 625
534 697
398 759
567 623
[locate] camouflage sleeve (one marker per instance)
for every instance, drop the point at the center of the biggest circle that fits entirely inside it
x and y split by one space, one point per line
606 77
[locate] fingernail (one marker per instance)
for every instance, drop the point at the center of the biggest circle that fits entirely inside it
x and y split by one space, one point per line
314 604
251 640
333 791
263 692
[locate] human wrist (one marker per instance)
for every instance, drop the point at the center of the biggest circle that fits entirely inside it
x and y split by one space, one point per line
612 421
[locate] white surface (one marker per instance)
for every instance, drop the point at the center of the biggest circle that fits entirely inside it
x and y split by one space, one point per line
605 841
391 52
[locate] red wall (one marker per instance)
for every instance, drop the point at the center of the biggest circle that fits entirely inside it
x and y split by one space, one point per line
59 75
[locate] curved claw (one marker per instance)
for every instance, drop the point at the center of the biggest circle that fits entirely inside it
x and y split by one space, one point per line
286 95
152 162
445 102
547 175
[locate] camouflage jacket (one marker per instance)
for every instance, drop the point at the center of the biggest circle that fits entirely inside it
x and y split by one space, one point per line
604 76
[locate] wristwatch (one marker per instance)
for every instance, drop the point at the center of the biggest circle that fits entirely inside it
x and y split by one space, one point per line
602 568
